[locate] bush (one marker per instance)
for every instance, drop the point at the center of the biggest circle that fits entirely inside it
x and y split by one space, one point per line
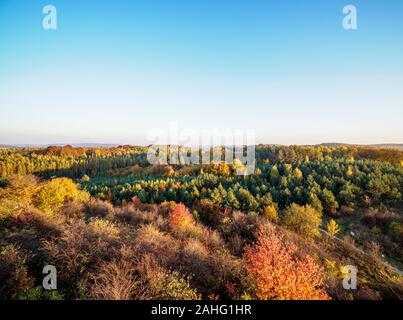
99 208
116 280
209 211
14 278
104 228
38 293
304 220
140 279
397 229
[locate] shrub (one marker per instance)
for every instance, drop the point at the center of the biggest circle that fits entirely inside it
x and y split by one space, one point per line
99 208
38 293
85 179
278 274
210 270
180 218
131 215
209 211
151 240
397 229
383 218
140 278
104 228
304 220
116 280
163 284
14 278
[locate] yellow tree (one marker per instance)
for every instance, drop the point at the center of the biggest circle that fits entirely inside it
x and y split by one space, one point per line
333 228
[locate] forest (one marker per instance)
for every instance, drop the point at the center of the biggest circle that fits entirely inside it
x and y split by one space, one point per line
117 227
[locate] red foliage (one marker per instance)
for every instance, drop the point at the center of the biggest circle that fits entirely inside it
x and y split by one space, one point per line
277 272
180 217
231 288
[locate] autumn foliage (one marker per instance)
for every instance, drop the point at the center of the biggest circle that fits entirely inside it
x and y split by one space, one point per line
180 218
278 274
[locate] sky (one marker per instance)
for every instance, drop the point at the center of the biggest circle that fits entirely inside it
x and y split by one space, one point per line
114 70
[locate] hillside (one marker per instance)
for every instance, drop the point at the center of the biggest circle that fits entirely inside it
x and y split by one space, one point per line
117 227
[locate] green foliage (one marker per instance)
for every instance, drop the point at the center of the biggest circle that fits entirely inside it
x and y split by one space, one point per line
38 293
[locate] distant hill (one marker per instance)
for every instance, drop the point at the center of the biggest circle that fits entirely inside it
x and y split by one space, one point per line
389 146
77 145
398 146
381 145
6 146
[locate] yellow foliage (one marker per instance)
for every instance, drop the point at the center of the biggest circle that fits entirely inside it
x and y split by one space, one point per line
104 228
304 220
332 227
334 270
298 173
270 212
53 194
17 195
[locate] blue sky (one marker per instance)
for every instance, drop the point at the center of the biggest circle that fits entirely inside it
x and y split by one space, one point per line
113 70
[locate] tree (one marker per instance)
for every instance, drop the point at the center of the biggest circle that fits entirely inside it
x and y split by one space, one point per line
180 218
278 274
247 200
55 193
231 201
333 228
315 202
298 173
270 212
348 194
329 201
304 220
85 179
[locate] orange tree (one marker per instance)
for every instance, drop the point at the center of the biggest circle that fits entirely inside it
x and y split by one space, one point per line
278 274
180 218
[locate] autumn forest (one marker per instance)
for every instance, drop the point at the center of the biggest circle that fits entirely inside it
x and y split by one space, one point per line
117 227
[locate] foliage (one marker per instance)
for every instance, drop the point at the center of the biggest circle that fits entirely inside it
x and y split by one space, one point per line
332 227
53 194
180 218
198 231
278 274
270 212
304 220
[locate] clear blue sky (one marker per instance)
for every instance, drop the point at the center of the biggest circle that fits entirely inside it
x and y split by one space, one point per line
115 69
